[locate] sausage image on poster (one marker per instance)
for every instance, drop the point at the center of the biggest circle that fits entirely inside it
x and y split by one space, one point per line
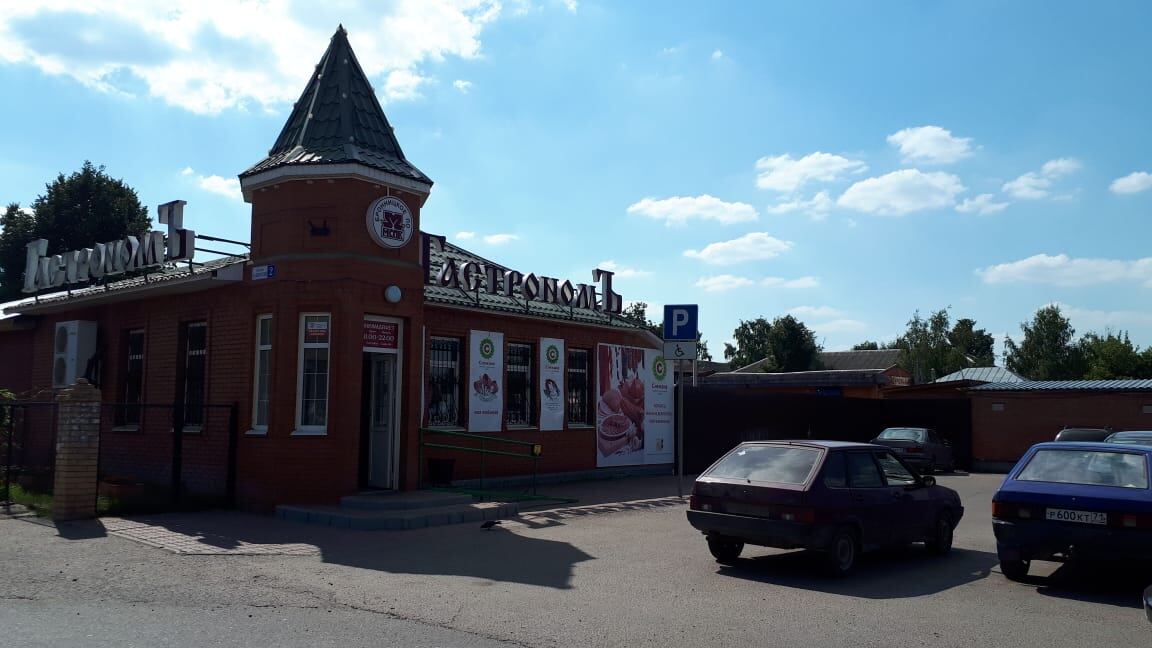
627 383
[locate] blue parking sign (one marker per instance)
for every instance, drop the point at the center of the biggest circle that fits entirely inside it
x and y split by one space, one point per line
680 322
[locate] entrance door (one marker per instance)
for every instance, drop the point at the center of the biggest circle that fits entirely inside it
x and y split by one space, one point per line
382 420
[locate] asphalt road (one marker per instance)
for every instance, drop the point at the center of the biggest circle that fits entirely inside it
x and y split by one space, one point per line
601 575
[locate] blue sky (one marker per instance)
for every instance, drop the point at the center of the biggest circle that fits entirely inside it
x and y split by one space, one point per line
848 162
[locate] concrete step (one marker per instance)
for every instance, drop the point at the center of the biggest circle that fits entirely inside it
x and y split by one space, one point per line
396 519
393 501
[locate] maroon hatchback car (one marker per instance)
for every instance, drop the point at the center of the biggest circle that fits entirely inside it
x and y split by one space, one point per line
837 498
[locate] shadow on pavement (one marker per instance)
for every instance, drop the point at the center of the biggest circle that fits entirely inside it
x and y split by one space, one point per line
1119 584
458 550
556 516
882 575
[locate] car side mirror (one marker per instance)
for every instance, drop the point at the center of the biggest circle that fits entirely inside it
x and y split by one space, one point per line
928 480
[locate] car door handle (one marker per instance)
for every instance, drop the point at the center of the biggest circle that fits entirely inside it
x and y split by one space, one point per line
858 498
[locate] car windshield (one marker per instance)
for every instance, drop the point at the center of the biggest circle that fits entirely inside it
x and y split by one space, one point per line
1089 467
780 464
902 434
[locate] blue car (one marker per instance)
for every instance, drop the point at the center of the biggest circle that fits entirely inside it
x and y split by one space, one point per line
1066 501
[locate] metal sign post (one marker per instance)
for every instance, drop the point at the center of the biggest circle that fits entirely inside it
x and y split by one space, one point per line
680 430
680 333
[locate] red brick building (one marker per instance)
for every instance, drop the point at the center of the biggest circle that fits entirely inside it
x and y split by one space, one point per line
343 332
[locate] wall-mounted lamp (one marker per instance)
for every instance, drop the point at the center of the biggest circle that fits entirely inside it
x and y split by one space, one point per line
393 294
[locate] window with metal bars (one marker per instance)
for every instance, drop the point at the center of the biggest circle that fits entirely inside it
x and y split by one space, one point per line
195 365
579 387
444 382
133 384
519 408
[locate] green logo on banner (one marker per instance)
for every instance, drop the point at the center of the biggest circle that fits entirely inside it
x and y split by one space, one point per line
487 348
659 368
552 354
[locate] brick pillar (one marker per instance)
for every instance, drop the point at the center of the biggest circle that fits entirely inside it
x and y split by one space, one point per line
77 452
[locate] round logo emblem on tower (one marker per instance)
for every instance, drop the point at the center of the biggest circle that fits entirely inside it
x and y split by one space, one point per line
389 222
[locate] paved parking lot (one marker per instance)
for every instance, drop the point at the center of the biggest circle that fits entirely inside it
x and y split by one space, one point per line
602 573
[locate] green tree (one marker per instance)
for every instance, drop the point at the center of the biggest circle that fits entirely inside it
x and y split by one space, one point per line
976 344
17 227
752 343
786 344
638 312
75 211
1047 350
869 345
1112 356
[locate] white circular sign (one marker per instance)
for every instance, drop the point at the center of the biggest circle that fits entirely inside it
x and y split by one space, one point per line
389 222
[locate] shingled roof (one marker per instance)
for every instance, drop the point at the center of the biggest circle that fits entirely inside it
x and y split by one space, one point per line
338 120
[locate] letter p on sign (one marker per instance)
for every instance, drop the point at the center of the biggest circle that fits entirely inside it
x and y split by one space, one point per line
680 322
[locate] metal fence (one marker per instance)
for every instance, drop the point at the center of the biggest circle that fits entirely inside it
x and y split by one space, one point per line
28 443
151 459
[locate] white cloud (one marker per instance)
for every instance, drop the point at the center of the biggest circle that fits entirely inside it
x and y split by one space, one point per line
623 272
207 57
717 55
816 208
571 5
786 174
798 283
678 210
723 283
1063 270
815 311
754 246
1132 183
669 51
403 85
465 236
982 204
1084 319
839 326
462 85
1035 185
903 192
227 187
500 239
930 145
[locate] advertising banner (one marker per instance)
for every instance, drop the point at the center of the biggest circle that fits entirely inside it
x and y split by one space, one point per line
485 381
634 407
551 384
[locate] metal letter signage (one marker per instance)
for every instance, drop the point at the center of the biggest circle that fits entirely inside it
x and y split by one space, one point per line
146 250
473 276
389 222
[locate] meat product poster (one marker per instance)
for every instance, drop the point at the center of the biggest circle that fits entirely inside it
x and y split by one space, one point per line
485 381
551 384
634 418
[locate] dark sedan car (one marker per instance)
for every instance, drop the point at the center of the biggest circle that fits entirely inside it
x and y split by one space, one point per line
922 448
1134 437
1092 434
1066 501
832 497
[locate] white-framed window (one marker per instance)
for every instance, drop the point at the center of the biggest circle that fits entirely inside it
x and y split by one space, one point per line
312 374
262 374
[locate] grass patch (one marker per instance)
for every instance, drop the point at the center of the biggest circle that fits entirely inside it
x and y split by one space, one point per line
39 502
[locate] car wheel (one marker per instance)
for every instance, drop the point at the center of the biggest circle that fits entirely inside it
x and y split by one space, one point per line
1015 568
725 550
942 534
843 552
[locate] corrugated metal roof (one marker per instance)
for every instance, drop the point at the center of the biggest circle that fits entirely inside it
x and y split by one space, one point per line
982 374
1068 385
339 120
800 378
849 360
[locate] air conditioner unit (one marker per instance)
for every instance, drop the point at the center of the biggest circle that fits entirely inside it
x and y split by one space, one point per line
73 346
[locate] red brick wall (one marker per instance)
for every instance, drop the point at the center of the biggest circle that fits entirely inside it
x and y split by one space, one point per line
1029 418
15 358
